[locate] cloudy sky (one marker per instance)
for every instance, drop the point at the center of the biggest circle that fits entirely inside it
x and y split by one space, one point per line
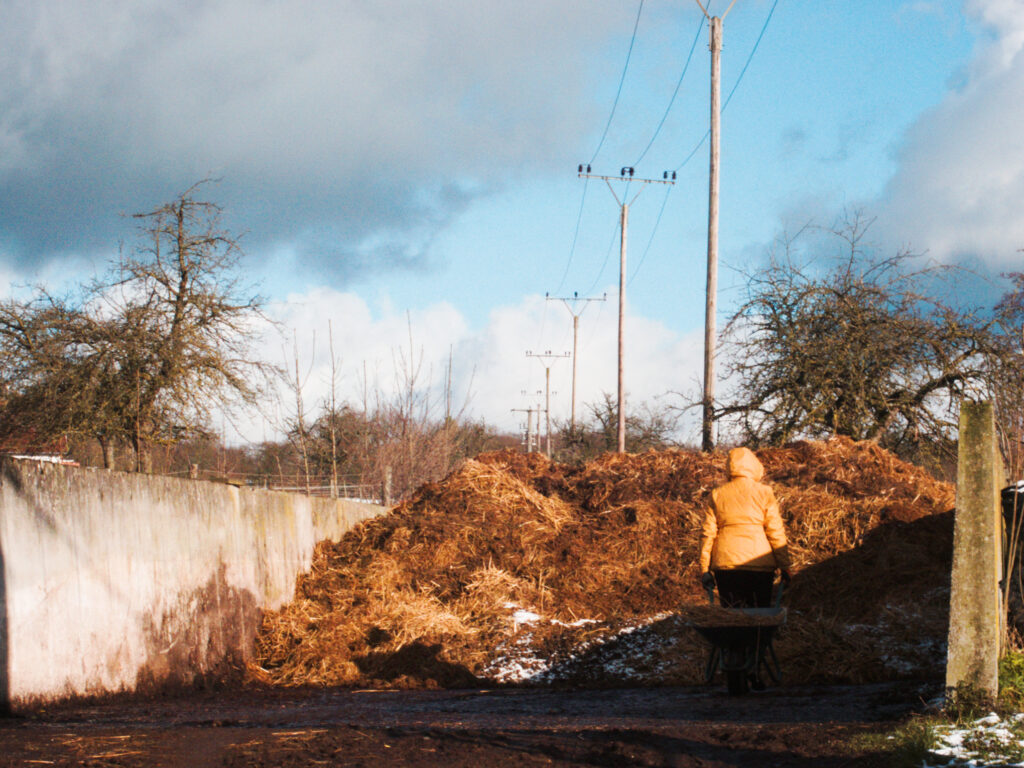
407 170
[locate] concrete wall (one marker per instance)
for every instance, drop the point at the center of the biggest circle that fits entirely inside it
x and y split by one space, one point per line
111 581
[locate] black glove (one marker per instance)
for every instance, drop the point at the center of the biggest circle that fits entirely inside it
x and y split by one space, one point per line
785 577
707 580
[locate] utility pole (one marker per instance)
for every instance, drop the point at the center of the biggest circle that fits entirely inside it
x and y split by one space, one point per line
548 355
529 426
710 334
626 174
575 299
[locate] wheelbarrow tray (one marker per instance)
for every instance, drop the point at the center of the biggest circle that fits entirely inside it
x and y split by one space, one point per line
741 641
733 634
715 617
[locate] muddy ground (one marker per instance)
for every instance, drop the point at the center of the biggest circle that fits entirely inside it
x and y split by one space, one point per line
796 727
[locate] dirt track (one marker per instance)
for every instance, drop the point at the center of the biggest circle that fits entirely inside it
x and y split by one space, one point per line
798 727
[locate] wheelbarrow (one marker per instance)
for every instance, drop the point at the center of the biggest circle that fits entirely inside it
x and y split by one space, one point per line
743 647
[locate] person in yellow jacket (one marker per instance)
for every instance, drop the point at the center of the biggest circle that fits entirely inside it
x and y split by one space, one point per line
743 540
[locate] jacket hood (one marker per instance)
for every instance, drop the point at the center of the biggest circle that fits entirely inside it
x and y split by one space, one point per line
743 463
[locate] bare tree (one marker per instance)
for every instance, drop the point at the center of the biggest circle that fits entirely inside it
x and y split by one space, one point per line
409 434
143 356
59 372
332 407
649 426
855 344
299 433
1008 397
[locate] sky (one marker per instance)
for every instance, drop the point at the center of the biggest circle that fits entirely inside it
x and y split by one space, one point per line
406 171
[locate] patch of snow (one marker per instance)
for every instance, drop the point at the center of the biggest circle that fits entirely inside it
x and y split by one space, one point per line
629 653
990 740
522 616
515 661
623 655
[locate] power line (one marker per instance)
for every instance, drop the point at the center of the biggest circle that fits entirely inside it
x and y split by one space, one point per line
625 175
657 131
607 256
751 56
544 357
707 134
675 93
622 80
650 240
615 104
736 85
575 237
571 303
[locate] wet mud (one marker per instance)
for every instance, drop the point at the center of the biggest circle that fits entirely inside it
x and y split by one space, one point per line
799 727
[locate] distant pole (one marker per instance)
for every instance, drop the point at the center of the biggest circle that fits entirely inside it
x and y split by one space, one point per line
575 298
626 174
710 335
547 411
544 357
621 430
575 358
529 424
529 429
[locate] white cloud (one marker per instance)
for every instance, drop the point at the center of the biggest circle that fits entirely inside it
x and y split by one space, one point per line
959 189
488 364
1006 20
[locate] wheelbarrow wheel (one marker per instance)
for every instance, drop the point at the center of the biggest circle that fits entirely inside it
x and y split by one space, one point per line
737 682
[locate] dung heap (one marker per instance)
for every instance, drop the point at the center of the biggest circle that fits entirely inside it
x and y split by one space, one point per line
517 569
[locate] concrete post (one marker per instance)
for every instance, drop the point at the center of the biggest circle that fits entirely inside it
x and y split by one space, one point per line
974 608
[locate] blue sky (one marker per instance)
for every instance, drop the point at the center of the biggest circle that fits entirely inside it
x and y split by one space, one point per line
404 165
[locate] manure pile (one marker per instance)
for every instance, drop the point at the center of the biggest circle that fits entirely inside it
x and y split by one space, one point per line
517 569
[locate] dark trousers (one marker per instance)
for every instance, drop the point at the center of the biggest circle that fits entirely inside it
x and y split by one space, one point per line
738 588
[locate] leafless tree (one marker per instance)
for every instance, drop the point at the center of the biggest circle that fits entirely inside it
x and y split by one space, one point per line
145 354
855 344
401 436
648 426
58 372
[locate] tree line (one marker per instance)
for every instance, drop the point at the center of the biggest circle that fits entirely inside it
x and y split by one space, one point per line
835 337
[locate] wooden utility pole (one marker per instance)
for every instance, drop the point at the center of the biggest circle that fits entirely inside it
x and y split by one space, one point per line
710 334
575 299
621 428
547 395
626 174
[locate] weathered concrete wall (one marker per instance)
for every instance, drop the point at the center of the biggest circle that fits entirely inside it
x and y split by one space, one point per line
112 581
974 608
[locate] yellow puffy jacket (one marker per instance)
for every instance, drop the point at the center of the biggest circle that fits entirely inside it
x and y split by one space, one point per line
742 525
